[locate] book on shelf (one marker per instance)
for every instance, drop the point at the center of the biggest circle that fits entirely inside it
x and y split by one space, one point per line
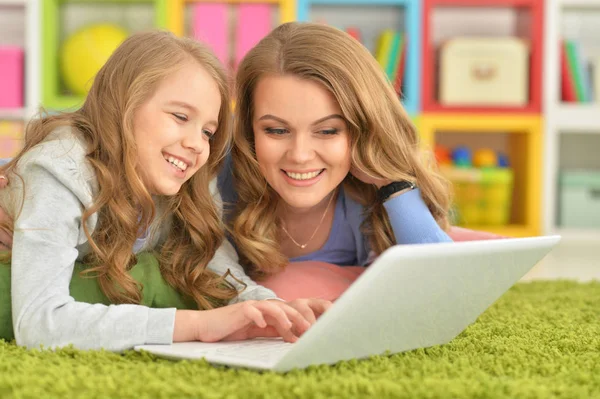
576 82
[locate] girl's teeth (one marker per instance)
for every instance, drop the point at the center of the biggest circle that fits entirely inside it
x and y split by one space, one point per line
180 164
303 176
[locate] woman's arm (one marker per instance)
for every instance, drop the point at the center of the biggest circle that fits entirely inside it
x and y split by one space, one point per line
411 220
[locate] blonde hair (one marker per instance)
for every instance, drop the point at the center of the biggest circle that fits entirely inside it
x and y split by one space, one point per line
384 142
123 203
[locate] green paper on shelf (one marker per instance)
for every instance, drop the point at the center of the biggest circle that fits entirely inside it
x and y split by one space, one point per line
575 69
393 58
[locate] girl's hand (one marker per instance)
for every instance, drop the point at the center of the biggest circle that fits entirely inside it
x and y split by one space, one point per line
250 319
310 308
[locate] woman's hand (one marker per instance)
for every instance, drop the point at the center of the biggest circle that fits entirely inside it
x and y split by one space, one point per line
250 319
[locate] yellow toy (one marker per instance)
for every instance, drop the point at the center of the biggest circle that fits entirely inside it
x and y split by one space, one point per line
85 51
485 158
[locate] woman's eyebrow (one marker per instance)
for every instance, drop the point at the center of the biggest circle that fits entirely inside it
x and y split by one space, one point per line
332 116
272 117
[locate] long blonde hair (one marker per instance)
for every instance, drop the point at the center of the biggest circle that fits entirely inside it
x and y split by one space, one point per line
123 203
384 142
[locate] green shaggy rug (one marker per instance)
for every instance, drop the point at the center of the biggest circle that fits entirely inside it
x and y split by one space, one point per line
540 340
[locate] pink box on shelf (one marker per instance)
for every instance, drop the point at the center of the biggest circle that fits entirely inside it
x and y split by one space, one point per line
11 77
210 27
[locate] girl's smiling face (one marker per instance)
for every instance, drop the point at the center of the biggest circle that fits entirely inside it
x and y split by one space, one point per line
173 128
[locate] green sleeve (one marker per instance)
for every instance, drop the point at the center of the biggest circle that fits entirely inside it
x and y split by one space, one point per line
156 292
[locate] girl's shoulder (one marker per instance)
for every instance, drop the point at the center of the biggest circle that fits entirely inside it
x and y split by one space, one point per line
63 145
60 158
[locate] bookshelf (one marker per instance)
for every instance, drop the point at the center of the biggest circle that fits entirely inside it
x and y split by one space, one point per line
552 133
572 129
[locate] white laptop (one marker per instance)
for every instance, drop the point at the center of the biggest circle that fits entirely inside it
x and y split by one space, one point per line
412 296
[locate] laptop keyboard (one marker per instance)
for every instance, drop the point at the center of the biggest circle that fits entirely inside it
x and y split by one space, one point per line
259 350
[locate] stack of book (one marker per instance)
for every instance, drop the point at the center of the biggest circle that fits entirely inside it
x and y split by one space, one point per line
390 52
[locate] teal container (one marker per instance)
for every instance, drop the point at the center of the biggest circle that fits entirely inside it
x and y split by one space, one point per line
580 199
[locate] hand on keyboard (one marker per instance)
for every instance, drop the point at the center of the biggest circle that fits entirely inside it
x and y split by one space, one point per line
310 308
253 319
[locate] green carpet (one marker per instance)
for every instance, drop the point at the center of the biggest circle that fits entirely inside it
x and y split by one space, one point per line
540 340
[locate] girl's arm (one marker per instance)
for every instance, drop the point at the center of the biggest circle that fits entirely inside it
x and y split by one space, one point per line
47 234
412 221
225 259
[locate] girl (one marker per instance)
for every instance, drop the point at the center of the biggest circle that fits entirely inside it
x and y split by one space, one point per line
137 157
326 163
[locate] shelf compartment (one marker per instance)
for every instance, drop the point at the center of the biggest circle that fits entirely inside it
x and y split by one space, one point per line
521 18
519 136
400 15
63 17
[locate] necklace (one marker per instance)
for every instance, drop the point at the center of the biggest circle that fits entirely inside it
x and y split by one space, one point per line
302 246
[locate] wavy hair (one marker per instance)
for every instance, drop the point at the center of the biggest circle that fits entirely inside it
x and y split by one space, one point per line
123 203
384 142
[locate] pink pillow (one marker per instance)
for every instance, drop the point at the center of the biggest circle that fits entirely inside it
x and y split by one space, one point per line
462 234
313 279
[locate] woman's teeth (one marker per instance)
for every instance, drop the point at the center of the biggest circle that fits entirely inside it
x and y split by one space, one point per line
179 164
304 176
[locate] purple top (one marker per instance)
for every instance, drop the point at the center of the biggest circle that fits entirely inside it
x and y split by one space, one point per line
411 221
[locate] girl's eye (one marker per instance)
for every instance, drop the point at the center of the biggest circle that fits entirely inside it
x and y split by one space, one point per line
276 131
181 117
328 131
210 135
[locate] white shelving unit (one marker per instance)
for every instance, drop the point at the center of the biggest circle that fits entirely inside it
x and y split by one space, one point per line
565 120
19 25
12 2
580 118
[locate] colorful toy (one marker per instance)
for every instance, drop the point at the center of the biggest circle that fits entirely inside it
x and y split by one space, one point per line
85 51
482 191
485 158
442 155
503 161
461 157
